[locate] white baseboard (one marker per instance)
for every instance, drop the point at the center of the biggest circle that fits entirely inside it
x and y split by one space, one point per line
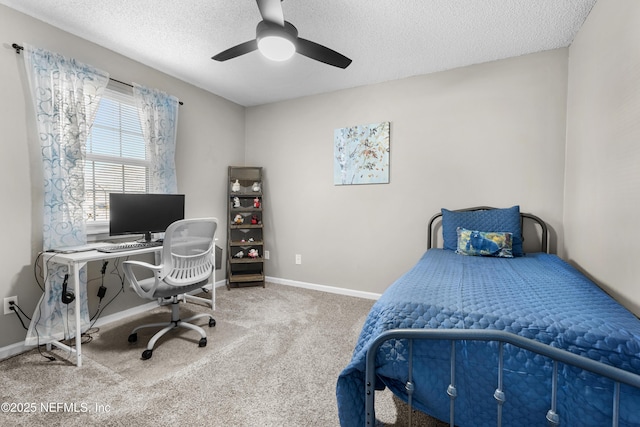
13 350
141 308
324 288
20 347
124 314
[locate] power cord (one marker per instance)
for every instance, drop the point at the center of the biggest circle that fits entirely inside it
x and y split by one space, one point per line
15 308
35 329
67 298
102 290
37 270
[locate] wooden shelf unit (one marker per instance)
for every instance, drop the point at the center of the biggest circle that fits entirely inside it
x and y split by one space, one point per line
246 233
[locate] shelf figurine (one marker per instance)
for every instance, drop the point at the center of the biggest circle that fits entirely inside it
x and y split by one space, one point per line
235 187
236 202
238 219
256 187
253 253
256 202
239 255
254 219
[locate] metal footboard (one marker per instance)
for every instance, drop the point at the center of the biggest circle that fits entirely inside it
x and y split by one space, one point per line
618 376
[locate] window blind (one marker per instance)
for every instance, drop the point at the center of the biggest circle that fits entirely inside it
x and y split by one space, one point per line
116 159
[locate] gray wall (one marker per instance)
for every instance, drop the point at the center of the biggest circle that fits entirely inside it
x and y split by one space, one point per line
602 188
210 137
491 134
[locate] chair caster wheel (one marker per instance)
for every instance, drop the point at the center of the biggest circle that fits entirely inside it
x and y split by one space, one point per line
203 342
212 322
133 338
147 354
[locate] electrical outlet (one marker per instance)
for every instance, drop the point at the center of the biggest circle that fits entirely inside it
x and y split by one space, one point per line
298 259
7 309
266 254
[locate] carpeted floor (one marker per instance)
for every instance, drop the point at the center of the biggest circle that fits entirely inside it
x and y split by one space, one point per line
272 360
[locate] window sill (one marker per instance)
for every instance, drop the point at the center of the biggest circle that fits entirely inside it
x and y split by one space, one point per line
99 232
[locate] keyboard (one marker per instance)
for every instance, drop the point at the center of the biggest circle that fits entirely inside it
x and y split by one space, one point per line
129 246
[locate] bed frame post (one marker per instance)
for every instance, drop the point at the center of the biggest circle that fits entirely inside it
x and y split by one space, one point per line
370 380
451 390
410 386
552 415
499 393
616 405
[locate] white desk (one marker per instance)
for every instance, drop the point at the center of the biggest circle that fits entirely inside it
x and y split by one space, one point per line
75 261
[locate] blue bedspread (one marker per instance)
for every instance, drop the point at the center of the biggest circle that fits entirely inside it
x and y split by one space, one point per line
537 296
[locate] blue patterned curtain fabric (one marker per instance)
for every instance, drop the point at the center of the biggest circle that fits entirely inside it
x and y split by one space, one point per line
159 119
65 95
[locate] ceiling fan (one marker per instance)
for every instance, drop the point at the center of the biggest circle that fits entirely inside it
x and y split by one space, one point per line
278 40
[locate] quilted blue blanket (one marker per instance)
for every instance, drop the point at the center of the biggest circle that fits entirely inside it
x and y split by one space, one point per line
537 296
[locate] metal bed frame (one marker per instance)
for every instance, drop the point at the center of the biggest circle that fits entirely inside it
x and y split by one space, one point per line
617 375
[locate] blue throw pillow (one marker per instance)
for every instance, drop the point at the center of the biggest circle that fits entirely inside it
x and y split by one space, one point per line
482 243
505 220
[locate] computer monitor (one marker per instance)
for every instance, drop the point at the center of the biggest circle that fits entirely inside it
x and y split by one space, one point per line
134 213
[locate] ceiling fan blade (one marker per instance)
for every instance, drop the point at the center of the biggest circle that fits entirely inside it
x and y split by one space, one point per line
236 51
321 53
271 10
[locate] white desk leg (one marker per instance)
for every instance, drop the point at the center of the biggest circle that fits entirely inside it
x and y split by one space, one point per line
76 285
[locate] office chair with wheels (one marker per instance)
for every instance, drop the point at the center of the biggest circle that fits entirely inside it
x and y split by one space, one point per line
187 263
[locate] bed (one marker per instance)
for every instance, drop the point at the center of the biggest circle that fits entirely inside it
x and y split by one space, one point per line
499 337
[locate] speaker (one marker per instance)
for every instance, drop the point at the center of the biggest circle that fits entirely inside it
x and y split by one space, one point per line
67 296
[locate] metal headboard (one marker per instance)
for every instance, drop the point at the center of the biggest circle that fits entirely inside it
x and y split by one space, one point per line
544 247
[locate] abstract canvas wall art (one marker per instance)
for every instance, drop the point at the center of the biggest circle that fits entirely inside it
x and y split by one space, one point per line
361 154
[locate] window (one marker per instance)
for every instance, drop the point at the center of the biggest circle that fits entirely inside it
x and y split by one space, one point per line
116 157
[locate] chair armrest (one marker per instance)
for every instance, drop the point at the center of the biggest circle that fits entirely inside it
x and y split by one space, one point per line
127 266
151 267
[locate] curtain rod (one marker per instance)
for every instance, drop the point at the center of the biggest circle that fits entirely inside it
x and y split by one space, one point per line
18 48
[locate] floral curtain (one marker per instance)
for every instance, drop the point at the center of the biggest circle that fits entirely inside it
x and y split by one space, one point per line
159 119
65 95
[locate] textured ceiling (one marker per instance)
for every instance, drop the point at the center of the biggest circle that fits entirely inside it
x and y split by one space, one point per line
386 40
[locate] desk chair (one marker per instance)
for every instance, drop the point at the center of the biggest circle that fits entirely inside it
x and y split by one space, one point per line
188 261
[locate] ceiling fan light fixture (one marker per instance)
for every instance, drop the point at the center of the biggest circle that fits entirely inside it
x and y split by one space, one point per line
276 48
276 42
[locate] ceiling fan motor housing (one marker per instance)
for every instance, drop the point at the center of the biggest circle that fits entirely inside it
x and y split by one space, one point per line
275 41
